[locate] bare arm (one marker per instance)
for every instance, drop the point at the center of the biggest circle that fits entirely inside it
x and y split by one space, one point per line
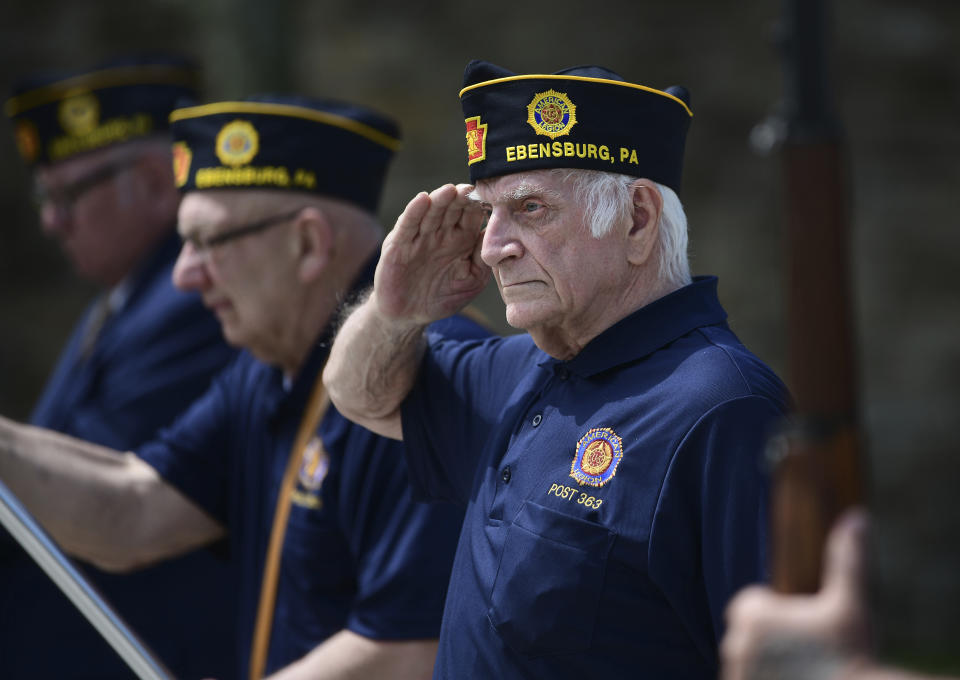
429 269
347 655
107 507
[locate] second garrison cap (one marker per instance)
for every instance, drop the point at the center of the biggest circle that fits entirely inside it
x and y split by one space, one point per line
582 117
319 146
57 116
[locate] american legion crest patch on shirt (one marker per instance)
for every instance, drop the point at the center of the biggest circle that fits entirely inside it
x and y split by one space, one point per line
313 470
599 452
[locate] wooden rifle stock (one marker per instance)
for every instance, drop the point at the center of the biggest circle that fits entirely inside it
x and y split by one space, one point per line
818 472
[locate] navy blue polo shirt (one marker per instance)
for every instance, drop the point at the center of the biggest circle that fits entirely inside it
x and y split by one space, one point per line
358 553
156 354
614 502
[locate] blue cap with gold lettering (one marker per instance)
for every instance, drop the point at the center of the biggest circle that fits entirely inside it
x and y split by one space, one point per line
583 117
57 116
297 143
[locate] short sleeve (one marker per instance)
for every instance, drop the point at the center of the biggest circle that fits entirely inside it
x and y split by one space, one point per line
403 549
457 401
709 536
193 453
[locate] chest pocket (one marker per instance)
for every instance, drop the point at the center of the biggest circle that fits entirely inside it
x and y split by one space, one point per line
547 590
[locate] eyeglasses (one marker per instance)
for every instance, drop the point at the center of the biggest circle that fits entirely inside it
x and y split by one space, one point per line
64 198
201 245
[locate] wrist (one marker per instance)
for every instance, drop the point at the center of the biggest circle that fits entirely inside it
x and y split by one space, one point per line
394 324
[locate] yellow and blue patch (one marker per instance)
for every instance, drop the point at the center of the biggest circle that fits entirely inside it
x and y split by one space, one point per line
80 113
237 143
551 113
598 455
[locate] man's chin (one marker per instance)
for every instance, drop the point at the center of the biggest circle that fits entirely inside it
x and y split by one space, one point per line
524 315
231 333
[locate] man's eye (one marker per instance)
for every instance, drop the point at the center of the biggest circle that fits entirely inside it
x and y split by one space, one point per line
531 206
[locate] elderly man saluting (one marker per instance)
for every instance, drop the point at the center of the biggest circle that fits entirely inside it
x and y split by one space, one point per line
610 458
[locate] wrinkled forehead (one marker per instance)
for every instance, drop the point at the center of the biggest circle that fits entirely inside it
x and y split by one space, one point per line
211 208
519 186
73 169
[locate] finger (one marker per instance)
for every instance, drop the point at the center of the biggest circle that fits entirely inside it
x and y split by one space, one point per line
407 227
844 562
744 618
465 194
463 211
475 214
473 217
440 199
453 214
482 268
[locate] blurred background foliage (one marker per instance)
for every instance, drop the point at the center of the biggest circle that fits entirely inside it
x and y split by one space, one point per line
895 74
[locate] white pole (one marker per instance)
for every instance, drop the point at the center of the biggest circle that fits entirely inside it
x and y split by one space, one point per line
44 551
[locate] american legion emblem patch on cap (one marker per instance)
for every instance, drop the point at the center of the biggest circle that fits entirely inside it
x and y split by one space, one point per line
583 117
57 116
319 146
598 455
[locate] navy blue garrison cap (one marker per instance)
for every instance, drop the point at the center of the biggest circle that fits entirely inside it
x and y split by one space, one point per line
59 115
318 146
582 117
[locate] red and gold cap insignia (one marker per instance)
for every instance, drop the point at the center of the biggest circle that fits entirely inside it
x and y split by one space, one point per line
28 140
182 156
237 143
599 452
476 140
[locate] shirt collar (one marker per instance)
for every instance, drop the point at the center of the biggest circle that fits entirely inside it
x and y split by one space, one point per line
648 329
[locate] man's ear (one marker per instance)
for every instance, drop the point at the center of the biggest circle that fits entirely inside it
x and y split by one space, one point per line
313 243
647 204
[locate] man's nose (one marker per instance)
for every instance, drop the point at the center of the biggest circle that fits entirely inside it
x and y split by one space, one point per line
189 271
499 241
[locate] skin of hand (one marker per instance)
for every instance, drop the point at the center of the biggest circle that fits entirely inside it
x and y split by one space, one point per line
430 264
804 636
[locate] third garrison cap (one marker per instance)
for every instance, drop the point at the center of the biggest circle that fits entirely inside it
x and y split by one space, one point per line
319 146
582 117
57 116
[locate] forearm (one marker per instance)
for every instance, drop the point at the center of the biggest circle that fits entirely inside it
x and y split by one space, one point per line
105 506
372 367
347 655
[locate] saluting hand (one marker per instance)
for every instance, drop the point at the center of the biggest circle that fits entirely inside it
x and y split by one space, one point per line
430 264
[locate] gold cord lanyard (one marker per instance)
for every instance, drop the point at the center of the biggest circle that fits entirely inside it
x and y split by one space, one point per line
317 406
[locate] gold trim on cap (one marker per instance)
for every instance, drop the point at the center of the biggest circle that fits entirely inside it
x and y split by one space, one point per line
142 74
582 78
292 111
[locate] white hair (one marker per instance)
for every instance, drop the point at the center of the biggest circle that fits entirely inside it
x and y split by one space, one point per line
607 200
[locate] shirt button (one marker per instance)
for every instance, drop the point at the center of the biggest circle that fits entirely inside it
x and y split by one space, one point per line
505 475
563 373
536 419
